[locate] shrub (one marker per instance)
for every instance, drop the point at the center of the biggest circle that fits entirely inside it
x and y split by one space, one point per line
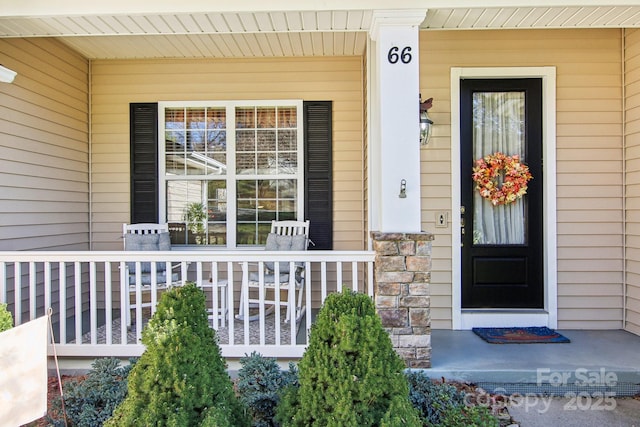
180 379
469 416
441 404
260 384
432 399
349 374
90 401
6 320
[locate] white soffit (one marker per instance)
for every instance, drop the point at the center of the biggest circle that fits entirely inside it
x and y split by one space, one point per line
281 33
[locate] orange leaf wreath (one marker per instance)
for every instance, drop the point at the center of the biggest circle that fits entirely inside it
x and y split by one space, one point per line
501 179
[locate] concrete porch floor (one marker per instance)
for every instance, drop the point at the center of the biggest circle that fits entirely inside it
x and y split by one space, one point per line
594 361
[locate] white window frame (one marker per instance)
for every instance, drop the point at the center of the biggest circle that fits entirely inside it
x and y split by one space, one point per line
231 177
467 319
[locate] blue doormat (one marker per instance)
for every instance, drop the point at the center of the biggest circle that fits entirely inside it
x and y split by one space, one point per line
530 335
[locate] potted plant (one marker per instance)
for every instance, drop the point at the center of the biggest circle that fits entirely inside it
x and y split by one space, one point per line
196 216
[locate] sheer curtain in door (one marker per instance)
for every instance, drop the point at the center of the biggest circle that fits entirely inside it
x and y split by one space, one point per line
498 125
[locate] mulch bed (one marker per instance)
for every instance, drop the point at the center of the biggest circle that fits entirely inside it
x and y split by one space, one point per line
53 399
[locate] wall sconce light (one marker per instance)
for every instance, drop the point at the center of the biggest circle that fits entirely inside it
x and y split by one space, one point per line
426 124
403 189
7 75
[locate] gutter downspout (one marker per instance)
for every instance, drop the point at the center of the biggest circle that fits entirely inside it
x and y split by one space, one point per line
90 153
624 178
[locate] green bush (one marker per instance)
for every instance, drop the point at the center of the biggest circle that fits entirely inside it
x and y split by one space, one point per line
441 404
433 400
90 401
180 380
260 385
349 375
469 416
6 320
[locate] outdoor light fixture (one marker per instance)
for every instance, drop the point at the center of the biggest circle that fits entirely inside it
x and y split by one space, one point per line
403 189
7 75
426 124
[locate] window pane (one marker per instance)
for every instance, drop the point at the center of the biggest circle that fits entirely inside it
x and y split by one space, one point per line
245 117
266 117
181 194
287 140
261 201
195 141
217 212
287 117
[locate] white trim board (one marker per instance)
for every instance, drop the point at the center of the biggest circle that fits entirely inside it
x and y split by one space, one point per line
466 319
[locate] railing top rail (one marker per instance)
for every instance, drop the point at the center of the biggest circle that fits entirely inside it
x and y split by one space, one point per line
181 255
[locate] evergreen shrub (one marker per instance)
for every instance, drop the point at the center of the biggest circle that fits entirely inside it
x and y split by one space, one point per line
90 400
260 385
349 375
180 380
442 404
6 320
432 399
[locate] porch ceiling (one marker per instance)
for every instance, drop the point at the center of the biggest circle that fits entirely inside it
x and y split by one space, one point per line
280 33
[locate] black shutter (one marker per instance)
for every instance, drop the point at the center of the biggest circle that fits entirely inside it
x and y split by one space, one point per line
143 118
318 201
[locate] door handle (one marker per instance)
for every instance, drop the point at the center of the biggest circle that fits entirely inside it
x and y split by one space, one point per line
462 210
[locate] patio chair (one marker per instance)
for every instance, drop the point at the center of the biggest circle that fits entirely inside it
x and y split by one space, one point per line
147 237
284 236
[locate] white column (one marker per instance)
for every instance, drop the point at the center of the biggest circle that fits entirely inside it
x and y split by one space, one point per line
394 121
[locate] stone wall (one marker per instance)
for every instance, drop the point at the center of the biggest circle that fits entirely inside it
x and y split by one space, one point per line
402 298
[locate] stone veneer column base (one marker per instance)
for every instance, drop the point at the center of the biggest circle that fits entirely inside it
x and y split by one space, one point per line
402 297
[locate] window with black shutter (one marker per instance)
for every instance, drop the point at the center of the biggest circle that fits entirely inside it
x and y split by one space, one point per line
241 179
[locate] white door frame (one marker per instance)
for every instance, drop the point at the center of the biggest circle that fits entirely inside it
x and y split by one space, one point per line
466 319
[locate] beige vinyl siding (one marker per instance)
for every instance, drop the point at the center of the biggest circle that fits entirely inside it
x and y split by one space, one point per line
589 159
44 146
632 168
115 84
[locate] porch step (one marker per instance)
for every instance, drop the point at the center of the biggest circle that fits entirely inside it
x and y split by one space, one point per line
598 363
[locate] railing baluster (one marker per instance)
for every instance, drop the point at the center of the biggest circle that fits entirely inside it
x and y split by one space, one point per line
323 281
124 305
308 284
354 276
138 292
32 290
62 289
93 303
17 292
276 298
77 275
47 286
108 303
339 276
3 282
231 296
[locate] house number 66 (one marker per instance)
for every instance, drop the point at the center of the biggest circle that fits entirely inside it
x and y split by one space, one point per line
405 56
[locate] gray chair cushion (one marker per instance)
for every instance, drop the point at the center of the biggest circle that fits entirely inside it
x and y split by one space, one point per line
277 242
161 279
147 243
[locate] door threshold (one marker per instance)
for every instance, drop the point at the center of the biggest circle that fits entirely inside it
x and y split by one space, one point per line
504 318
504 310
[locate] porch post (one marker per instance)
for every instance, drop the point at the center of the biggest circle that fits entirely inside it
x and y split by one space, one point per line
402 297
394 120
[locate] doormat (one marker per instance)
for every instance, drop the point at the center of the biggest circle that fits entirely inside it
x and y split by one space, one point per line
530 335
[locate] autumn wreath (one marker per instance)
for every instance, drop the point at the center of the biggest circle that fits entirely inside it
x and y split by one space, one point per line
501 179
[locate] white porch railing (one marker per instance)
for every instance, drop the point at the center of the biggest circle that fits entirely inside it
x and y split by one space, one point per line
87 293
